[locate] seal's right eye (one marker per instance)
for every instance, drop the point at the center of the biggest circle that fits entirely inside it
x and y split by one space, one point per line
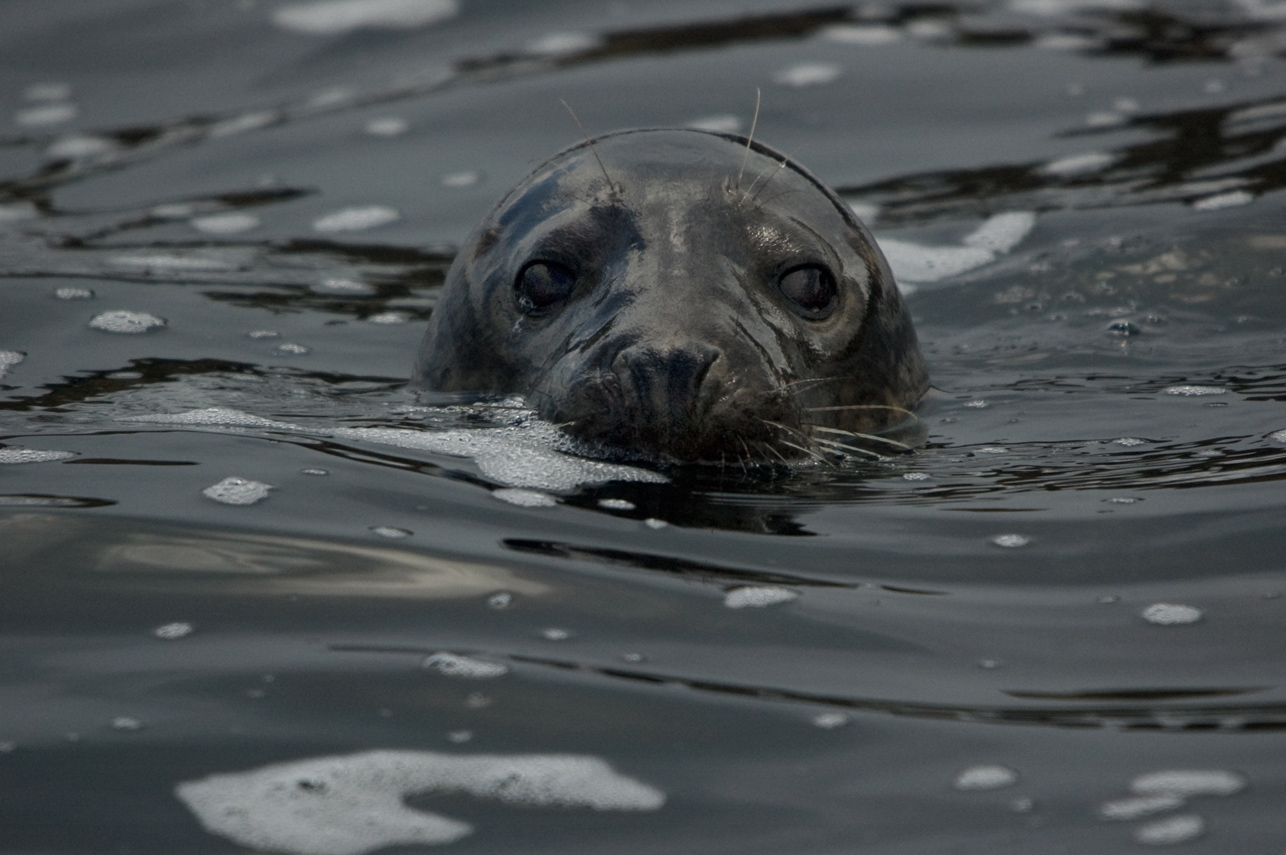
542 284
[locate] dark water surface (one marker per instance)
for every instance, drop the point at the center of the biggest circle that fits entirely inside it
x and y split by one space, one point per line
437 629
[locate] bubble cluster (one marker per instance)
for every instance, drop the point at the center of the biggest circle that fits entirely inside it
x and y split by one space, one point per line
455 665
387 126
1170 831
1231 199
467 178
1195 391
808 74
758 596
173 631
525 498
226 224
123 321
830 720
237 491
357 219
212 417
986 777
343 286
8 359
1189 782
1171 614
32 455
353 804
335 17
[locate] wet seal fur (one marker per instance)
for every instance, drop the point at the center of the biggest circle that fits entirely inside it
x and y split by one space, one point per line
680 294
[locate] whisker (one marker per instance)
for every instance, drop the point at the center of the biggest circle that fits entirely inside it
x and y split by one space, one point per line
846 449
611 186
750 138
774 451
901 410
810 452
866 436
807 380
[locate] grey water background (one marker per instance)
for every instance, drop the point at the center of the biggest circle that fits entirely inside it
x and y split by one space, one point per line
1104 438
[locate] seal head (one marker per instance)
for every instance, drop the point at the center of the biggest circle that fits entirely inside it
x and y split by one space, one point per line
669 301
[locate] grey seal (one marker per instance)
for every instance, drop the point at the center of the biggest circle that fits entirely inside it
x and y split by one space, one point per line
680 294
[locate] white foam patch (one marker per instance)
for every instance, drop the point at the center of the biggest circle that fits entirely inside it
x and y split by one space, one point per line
123 321
563 44
237 491
1195 391
213 417
1066 41
8 359
1079 164
988 777
913 262
343 286
455 665
46 114
867 212
173 631
757 597
387 126
47 92
12 212
1051 8
722 123
1278 436
1003 232
468 178
1011 541
226 224
32 455
172 262
353 804
244 123
865 35
1185 783
1273 111
357 219
77 146
808 74
1139 807
1169 832
334 17
1171 614
525 498
389 318
830 720
509 456
1224 200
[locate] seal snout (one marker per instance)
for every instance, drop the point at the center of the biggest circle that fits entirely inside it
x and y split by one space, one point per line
665 382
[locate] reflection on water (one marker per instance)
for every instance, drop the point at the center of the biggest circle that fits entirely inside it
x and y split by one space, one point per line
244 566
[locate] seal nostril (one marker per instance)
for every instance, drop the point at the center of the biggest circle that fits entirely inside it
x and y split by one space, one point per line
664 382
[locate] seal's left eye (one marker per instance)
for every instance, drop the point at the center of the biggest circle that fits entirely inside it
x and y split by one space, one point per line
811 291
541 284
